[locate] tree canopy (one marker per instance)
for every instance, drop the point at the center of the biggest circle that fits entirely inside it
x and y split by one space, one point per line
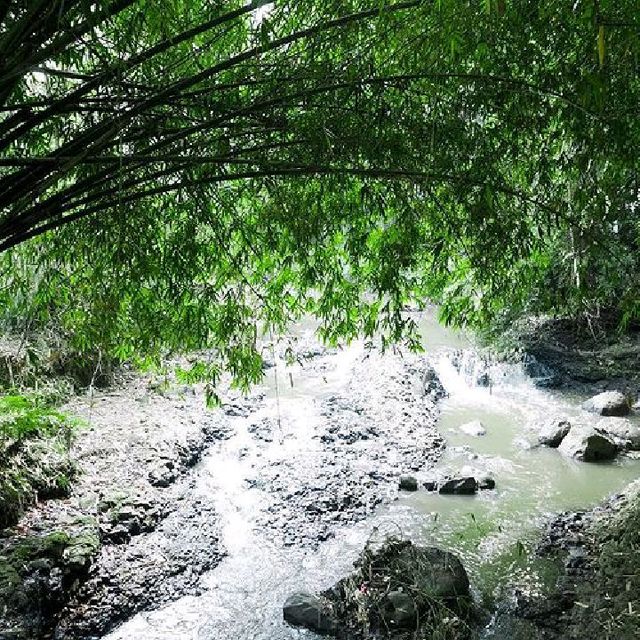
190 174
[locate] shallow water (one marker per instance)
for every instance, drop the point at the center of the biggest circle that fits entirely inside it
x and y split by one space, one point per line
493 532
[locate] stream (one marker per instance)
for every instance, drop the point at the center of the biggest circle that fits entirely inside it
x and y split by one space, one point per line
493 532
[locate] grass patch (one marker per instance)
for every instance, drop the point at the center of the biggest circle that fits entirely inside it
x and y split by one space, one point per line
608 606
35 462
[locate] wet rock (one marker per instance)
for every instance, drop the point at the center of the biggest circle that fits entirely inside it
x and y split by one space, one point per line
473 428
408 483
623 433
309 611
544 377
552 435
483 380
430 485
589 446
486 483
608 403
432 385
459 486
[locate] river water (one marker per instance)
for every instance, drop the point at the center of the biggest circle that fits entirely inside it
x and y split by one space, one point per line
494 532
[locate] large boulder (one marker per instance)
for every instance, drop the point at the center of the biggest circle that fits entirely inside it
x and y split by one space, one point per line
588 445
399 585
622 432
552 434
473 428
608 403
310 611
459 486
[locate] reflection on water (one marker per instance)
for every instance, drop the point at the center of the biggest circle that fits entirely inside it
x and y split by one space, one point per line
492 532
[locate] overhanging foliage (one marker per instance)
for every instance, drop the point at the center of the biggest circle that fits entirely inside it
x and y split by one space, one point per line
188 174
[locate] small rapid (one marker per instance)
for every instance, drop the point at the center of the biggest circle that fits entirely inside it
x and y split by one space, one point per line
494 532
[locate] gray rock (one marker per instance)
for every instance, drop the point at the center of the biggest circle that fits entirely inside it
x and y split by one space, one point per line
487 483
459 486
473 428
430 485
432 385
399 610
608 403
553 434
309 611
408 483
589 446
483 380
621 432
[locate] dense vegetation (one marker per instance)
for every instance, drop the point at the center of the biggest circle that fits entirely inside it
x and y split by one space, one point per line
191 174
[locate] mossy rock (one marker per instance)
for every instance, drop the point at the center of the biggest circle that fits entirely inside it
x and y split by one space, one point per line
50 546
82 548
10 580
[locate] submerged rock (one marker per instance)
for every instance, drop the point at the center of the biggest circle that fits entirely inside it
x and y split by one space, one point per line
589 446
408 483
473 428
608 403
553 434
310 611
459 486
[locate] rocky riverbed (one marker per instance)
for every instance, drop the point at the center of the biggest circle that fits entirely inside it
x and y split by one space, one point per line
209 519
137 531
118 543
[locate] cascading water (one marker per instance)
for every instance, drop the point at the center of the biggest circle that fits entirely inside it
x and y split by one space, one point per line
493 532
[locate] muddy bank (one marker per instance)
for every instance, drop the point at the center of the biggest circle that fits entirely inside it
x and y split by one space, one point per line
73 568
597 552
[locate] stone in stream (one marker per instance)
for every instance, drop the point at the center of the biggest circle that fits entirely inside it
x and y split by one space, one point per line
432 385
398 585
459 486
473 428
552 435
408 483
486 483
621 432
430 485
588 445
309 611
608 403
